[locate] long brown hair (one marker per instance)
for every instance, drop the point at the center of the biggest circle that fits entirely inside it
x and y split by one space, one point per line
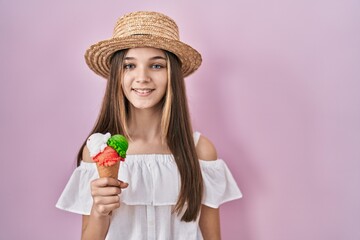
175 124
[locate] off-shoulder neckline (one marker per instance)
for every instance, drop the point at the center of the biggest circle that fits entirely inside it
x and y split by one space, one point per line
148 154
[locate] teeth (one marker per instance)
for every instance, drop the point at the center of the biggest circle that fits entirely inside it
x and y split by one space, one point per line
142 90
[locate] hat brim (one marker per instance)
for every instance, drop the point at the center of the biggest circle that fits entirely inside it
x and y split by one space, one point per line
98 55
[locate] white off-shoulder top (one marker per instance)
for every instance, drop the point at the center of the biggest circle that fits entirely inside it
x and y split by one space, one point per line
148 201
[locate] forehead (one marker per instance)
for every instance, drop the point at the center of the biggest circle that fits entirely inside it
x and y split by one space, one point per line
144 53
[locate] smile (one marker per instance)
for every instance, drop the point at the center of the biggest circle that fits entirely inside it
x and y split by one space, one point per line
143 91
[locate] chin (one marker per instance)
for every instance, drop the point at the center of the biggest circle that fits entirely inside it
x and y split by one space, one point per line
147 106
142 106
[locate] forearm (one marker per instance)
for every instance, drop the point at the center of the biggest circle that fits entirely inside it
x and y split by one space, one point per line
95 227
210 223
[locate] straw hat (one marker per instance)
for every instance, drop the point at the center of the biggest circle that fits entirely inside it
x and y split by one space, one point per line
142 29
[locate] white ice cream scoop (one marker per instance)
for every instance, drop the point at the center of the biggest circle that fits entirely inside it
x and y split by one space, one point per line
97 142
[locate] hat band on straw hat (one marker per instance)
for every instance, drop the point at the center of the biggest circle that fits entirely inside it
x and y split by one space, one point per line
142 29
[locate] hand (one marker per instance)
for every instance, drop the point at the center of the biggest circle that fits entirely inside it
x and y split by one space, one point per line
105 193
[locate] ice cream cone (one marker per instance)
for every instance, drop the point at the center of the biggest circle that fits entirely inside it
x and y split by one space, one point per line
111 171
107 151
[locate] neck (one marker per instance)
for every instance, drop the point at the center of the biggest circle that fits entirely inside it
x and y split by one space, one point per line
145 124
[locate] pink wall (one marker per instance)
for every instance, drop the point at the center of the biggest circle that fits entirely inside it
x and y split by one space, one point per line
278 93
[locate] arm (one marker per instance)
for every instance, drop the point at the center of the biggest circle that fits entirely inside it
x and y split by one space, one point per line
209 217
210 223
94 227
105 193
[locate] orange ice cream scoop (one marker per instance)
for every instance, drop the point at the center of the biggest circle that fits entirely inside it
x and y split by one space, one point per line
108 163
107 158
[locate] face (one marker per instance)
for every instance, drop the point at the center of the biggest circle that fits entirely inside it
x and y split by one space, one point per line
144 77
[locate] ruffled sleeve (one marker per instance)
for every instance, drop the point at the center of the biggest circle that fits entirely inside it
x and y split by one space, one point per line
219 184
76 196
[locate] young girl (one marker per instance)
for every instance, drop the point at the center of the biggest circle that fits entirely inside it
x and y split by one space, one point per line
166 191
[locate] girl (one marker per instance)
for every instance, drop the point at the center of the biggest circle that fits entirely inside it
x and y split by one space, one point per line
166 192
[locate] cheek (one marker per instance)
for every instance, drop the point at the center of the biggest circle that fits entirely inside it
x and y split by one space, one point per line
125 89
125 84
166 85
163 80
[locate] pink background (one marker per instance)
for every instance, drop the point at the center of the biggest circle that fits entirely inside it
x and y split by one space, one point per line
278 93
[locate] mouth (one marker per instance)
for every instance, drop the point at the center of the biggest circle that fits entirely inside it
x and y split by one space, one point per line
143 91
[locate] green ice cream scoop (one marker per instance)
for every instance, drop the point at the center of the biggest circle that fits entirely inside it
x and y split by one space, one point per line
119 143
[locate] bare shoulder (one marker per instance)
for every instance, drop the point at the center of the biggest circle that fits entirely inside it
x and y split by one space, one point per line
205 149
86 155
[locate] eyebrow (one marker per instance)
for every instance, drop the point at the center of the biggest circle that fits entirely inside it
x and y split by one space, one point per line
153 58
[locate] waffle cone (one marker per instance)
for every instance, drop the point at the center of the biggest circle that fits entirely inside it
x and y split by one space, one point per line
111 171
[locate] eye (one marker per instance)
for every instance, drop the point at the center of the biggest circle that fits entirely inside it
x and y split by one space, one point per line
129 66
157 66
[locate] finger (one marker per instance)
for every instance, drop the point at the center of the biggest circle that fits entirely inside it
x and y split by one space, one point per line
107 200
103 182
123 184
106 209
105 191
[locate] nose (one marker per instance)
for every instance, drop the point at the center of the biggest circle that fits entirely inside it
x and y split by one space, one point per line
142 75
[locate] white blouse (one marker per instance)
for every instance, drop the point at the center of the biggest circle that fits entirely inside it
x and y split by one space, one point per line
147 203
